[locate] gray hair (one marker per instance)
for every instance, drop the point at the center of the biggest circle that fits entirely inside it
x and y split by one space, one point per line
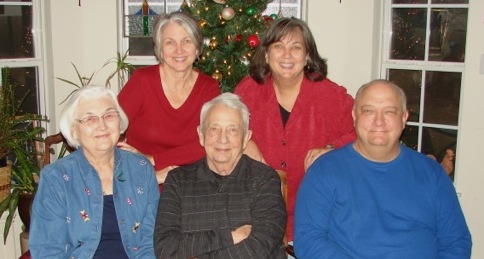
187 21
399 91
229 100
68 114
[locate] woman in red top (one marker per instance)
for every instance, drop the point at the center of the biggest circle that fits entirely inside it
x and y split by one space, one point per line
163 101
297 114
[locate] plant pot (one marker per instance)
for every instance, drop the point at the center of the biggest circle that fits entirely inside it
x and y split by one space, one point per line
5 181
24 208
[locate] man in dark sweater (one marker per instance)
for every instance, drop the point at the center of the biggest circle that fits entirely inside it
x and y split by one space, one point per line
226 205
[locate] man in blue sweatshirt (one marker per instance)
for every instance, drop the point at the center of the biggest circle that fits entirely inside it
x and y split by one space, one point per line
375 198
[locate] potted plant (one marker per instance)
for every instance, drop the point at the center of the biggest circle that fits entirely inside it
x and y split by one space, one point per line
19 132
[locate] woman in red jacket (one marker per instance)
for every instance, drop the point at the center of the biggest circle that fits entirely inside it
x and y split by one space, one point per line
297 114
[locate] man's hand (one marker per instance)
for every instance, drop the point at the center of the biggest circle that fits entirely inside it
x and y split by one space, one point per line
241 233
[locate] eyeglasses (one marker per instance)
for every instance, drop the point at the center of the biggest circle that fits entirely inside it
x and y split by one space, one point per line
94 120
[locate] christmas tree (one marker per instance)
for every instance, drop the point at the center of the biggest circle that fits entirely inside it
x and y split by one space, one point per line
231 31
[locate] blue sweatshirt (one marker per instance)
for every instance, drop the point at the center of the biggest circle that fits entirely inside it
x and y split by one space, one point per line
350 207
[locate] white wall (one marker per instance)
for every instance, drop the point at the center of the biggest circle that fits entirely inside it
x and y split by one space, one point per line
470 176
85 35
345 33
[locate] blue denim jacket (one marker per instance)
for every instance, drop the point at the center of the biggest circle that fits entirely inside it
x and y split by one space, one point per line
68 207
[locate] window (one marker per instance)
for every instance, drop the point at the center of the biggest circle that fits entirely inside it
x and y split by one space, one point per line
20 50
424 54
141 48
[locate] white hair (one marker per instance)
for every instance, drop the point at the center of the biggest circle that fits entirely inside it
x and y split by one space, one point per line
229 100
67 117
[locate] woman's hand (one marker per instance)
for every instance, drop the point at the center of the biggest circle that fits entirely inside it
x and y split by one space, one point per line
125 146
161 174
253 151
313 154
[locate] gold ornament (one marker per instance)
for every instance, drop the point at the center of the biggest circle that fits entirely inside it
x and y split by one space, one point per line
217 75
202 23
213 43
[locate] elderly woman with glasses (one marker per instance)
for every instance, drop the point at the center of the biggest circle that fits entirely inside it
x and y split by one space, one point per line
100 201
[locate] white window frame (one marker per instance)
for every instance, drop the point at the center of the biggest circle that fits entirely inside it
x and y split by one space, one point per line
123 42
423 66
37 61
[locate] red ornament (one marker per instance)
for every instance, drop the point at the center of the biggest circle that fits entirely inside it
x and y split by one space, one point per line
238 38
253 40
267 20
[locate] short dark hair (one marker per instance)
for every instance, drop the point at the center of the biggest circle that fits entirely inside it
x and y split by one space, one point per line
316 68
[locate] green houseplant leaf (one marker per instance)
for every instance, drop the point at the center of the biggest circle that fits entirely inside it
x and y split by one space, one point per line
18 133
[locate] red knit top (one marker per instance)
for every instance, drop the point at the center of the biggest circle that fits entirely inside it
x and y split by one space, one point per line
155 127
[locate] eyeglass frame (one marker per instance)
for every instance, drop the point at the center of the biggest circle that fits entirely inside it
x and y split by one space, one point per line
96 118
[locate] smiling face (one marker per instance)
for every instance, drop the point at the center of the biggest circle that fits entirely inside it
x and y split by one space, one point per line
379 119
287 57
223 138
99 137
177 48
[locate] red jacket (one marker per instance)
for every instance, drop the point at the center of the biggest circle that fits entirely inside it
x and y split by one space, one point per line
320 116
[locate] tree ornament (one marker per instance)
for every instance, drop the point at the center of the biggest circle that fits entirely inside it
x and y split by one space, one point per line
217 75
250 11
238 38
220 1
228 13
267 20
221 19
213 43
253 40
202 23
274 16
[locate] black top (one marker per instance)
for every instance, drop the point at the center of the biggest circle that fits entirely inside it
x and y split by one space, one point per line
111 245
284 115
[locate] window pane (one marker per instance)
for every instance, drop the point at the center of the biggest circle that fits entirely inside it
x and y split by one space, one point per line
25 79
409 1
448 34
141 46
409 137
442 94
411 83
16 26
408 37
450 1
437 141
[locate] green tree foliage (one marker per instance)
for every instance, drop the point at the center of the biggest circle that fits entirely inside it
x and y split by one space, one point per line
231 32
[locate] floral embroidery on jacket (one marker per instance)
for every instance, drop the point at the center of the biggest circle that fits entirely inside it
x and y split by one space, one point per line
136 226
84 215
